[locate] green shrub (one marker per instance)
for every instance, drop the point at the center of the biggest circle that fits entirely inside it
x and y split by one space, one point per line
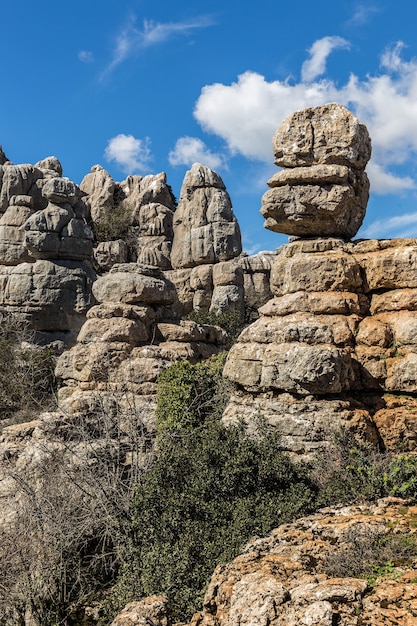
209 490
353 471
114 224
188 394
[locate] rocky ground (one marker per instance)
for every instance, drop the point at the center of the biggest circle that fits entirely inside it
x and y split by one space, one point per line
281 579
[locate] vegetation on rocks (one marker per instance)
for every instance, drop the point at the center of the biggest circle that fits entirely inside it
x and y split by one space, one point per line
26 372
114 224
161 524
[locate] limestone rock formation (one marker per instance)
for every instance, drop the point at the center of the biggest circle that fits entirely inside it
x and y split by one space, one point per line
281 579
45 250
144 205
129 338
323 190
205 228
153 610
339 335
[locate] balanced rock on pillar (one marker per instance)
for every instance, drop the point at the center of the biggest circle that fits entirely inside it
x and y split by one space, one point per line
323 190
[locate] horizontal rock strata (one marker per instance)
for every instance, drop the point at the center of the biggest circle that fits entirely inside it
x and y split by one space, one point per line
340 332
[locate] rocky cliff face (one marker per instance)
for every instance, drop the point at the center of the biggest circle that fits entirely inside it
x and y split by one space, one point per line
129 338
339 333
45 248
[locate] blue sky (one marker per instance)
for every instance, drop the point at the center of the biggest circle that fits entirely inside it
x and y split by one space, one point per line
144 86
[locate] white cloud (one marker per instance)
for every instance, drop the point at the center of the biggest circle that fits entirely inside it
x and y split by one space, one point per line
399 226
246 113
362 14
189 150
383 182
129 153
86 56
155 33
131 39
316 65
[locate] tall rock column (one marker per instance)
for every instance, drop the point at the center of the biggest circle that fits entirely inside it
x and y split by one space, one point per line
312 362
205 228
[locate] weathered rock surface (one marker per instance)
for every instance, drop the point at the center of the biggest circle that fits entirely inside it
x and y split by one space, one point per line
149 611
325 190
129 338
205 228
45 250
342 325
280 580
145 204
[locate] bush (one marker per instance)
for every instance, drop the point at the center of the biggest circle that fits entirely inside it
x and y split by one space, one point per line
353 472
370 553
26 370
208 491
188 394
114 224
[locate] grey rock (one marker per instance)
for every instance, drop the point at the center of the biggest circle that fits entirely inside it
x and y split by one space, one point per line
60 191
50 163
205 229
328 134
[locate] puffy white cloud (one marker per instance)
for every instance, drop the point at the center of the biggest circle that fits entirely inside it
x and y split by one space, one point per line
85 56
316 65
246 113
129 153
189 150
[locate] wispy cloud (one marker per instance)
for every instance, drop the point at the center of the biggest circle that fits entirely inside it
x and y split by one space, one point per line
399 226
86 56
362 14
129 153
132 39
320 50
189 150
246 113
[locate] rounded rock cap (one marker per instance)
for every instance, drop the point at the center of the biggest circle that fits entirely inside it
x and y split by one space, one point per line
329 134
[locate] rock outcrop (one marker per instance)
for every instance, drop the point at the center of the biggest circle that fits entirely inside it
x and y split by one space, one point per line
144 205
341 331
45 250
129 338
193 238
281 579
323 189
205 228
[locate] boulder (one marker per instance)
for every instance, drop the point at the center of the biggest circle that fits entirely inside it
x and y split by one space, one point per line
323 192
328 134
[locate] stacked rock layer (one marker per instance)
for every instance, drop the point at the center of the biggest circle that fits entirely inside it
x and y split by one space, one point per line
323 189
45 249
129 338
337 345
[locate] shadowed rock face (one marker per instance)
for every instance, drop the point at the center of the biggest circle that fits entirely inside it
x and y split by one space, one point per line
323 190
